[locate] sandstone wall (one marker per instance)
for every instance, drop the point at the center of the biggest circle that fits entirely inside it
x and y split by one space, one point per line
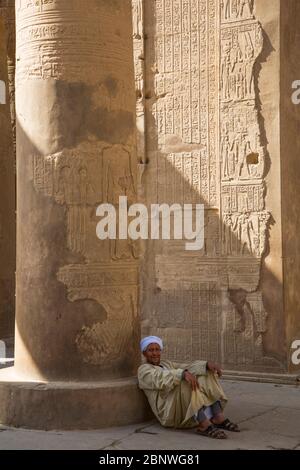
208 103
7 197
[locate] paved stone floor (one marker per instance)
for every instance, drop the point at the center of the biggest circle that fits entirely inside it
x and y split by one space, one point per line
268 415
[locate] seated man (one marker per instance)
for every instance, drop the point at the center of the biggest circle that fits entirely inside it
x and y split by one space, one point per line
181 395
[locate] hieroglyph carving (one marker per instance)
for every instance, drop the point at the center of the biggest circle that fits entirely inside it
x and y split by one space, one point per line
185 107
43 43
139 69
66 41
7 11
205 146
81 179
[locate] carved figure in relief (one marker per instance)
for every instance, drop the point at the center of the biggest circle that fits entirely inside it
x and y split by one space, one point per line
118 181
84 187
73 186
225 150
249 58
64 192
137 18
139 85
226 70
117 175
239 84
236 9
244 151
244 8
240 49
227 234
226 8
230 154
263 220
236 55
244 228
76 229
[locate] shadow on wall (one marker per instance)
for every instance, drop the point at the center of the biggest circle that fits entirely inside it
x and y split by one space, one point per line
7 205
221 303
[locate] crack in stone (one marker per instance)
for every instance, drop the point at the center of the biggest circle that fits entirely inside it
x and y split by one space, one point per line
147 432
136 431
258 414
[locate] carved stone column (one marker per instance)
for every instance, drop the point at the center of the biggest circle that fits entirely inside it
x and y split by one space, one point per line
7 199
77 326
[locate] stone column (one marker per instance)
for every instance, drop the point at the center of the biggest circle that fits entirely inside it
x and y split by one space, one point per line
7 199
77 326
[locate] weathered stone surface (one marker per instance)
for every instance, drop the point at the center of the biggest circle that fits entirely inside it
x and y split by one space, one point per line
77 324
7 11
205 143
76 149
7 199
244 407
215 124
70 405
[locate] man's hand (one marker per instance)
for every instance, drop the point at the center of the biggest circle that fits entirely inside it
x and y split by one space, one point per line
191 379
215 368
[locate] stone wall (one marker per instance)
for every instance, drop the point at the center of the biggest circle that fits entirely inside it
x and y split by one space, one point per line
207 75
7 196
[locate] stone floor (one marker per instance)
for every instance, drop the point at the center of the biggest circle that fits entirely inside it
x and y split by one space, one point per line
268 415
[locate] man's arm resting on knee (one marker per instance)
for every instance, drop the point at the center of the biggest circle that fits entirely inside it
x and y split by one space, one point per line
213 367
155 378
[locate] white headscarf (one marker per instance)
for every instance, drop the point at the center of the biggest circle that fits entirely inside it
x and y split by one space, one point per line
148 340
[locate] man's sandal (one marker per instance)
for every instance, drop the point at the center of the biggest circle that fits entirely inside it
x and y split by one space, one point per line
228 425
212 432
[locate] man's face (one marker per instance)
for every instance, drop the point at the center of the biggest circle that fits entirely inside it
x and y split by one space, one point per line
152 354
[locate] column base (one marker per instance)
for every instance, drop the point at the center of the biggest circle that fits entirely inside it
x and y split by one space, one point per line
70 405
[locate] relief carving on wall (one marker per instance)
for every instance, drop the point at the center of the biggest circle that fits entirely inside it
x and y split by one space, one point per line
7 11
204 145
96 170
80 180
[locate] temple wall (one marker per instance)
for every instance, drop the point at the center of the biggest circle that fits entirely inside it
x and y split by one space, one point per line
7 196
208 113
